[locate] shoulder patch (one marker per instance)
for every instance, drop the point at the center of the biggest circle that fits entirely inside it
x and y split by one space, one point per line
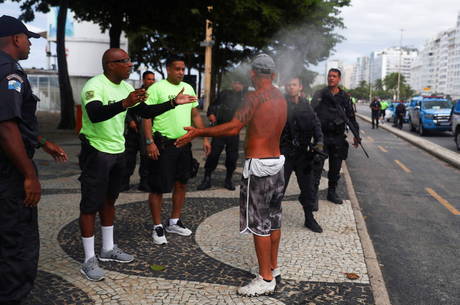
14 85
89 94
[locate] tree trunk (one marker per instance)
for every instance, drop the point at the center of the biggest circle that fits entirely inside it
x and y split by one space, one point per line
200 71
65 89
115 33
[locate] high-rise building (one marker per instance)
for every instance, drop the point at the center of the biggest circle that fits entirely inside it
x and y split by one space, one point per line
360 71
392 60
437 68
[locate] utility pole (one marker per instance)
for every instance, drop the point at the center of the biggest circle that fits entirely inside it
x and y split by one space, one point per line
399 69
207 43
370 79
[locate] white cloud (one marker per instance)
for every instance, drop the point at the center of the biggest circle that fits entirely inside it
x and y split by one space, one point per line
372 25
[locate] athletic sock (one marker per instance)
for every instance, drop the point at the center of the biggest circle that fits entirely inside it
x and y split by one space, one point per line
268 281
88 247
173 221
107 238
156 226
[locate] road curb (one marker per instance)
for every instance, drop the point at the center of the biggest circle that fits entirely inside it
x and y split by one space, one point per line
436 150
379 289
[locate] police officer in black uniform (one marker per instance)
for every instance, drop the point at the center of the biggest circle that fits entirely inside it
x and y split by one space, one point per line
325 103
134 140
302 126
20 189
221 111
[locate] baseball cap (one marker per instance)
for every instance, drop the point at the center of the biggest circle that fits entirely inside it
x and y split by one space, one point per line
263 63
11 26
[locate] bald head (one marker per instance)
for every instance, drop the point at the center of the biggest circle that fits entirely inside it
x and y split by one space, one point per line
112 54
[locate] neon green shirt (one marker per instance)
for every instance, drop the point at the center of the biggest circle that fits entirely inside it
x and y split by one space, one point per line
106 136
384 105
171 123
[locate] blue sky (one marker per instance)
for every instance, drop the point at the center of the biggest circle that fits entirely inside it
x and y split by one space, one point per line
371 25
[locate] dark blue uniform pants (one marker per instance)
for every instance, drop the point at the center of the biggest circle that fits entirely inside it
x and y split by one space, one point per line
231 150
19 237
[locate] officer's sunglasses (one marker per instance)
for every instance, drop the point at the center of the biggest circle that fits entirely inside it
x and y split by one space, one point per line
124 60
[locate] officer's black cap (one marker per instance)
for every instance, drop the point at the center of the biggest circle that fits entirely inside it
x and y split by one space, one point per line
11 26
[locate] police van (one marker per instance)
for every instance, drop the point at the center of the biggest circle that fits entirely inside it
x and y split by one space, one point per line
429 113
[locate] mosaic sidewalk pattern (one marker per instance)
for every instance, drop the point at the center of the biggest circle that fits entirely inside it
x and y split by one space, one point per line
205 268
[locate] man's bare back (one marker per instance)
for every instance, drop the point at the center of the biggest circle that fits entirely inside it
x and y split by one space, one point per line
264 112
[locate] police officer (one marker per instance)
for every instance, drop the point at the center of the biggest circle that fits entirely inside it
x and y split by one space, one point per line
221 111
20 189
325 103
302 126
375 109
134 138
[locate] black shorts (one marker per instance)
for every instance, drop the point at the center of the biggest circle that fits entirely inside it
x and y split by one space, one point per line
173 165
100 178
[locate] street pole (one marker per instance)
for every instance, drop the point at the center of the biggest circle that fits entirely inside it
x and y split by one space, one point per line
370 82
208 43
399 68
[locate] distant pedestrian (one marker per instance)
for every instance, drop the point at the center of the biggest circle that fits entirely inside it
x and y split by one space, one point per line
134 139
383 107
400 113
375 112
105 98
221 111
20 189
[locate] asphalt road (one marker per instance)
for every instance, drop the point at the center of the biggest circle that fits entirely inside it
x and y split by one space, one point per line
443 138
411 204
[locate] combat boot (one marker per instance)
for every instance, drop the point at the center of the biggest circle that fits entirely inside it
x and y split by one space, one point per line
228 184
332 196
311 223
206 183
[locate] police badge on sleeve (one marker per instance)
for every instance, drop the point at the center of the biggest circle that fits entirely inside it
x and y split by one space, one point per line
15 82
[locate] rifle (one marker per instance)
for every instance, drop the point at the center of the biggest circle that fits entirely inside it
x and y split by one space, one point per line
352 127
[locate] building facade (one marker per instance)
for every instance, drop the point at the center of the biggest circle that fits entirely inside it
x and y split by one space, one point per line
392 60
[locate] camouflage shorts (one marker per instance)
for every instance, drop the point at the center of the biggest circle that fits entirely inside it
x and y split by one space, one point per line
260 206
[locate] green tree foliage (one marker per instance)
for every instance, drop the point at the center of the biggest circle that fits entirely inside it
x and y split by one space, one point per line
391 85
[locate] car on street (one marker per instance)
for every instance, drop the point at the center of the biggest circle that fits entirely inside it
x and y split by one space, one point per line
429 113
455 120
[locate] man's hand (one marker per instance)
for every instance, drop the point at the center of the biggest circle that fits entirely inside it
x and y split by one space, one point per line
137 96
152 151
355 142
33 191
191 134
184 98
55 151
206 146
132 125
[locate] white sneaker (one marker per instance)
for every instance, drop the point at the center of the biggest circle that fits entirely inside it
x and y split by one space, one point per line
179 228
257 287
158 235
276 273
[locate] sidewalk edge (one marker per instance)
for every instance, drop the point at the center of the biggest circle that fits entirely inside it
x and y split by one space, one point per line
436 150
378 287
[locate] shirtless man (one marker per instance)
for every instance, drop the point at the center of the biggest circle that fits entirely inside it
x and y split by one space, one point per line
264 111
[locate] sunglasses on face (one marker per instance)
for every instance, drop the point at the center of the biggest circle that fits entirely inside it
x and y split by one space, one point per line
124 60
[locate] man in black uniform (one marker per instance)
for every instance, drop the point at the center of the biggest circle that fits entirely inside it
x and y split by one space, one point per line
20 189
375 109
325 103
134 138
221 111
296 145
400 112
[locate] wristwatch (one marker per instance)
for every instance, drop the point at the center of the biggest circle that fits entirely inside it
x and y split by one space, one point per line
148 141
